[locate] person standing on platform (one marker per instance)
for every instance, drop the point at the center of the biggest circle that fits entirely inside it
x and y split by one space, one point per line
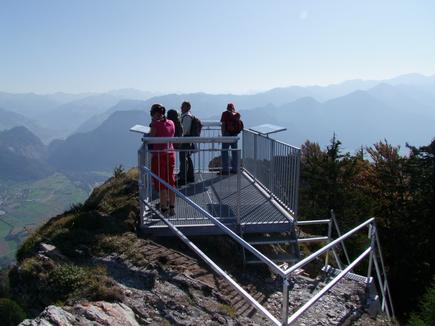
231 125
186 174
163 158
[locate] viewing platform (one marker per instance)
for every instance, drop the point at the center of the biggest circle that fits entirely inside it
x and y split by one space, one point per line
245 201
248 209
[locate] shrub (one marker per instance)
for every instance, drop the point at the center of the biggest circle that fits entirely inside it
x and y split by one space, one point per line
426 316
118 171
72 282
4 283
66 279
10 312
75 208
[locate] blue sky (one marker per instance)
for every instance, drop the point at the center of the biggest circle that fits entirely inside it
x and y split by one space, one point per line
210 46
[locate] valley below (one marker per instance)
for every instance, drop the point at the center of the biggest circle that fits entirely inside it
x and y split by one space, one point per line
24 206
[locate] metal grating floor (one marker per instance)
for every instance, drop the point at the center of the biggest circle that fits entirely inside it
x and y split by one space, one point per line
219 196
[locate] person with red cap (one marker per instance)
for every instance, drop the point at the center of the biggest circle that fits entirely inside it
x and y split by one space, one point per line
231 125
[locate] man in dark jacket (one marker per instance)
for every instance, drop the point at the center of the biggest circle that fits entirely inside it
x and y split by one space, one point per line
231 125
186 174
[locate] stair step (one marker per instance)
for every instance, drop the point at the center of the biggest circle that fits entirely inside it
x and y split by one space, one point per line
313 239
270 240
279 258
350 275
277 240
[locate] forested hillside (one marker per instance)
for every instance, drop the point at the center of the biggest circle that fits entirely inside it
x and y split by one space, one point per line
399 190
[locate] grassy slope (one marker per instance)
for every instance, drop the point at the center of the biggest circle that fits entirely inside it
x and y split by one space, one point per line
28 204
99 225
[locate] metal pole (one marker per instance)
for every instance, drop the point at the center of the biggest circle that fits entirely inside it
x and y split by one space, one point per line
339 235
284 309
239 181
372 245
255 157
369 270
298 164
272 167
337 259
383 267
329 240
381 287
141 182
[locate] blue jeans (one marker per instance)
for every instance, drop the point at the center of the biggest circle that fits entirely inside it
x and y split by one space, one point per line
234 157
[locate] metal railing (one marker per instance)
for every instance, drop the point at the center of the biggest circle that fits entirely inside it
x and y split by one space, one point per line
375 258
200 174
275 165
373 251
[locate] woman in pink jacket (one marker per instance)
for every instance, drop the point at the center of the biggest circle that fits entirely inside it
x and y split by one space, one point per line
163 158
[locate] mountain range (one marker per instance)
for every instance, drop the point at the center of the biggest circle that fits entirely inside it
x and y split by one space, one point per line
95 126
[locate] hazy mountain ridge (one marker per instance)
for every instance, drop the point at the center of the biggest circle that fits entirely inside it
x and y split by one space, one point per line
29 104
66 114
61 114
10 119
101 149
359 118
98 119
22 155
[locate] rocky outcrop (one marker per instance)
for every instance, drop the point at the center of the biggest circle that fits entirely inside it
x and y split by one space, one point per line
94 313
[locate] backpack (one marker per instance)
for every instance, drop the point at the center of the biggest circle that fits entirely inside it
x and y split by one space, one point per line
196 127
234 125
178 129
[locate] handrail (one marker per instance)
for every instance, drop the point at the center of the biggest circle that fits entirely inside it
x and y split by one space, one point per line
312 222
327 287
326 247
219 224
275 140
196 140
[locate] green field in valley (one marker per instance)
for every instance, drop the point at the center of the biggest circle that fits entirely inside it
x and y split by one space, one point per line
24 206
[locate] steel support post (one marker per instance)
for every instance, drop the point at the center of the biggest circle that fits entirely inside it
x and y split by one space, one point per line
296 199
255 156
239 181
381 286
339 235
284 309
329 240
272 168
141 183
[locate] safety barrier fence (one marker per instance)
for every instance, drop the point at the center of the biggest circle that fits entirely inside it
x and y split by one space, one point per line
275 165
196 166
